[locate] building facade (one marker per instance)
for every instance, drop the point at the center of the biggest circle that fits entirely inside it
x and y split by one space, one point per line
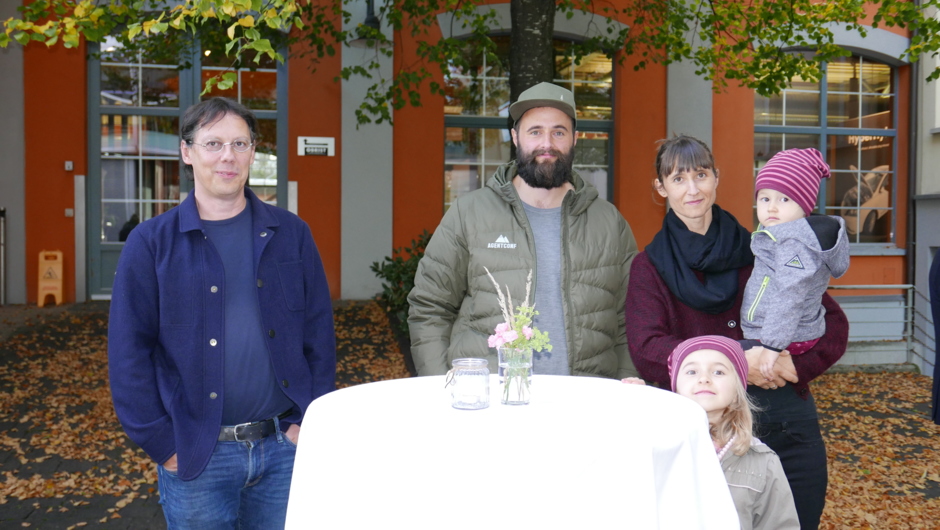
90 148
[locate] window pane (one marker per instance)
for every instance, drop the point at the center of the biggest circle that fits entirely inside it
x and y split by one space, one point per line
119 179
843 110
263 175
463 96
131 73
876 78
802 109
768 110
842 74
159 136
209 73
117 220
118 85
160 182
496 146
863 194
876 112
497 97
160 87
119 135
259 89
593 100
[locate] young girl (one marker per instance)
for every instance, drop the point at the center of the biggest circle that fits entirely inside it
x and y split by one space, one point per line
794 256
712 371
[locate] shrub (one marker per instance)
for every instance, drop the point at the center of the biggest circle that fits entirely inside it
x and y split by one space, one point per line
398 277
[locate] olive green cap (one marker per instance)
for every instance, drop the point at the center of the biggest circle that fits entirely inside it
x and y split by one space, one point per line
544 95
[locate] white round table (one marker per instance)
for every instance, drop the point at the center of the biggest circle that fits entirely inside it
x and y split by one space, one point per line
585 453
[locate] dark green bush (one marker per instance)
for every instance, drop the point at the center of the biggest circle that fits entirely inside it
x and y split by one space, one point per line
398 277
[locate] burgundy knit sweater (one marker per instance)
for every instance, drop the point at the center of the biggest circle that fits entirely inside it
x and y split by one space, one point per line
657 322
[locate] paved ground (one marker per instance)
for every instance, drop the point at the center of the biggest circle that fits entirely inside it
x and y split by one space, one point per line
65 462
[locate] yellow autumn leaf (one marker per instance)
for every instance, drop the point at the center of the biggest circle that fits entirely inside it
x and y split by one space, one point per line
247 21
231 31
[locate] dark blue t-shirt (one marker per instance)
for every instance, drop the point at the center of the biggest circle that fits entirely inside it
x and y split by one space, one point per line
251 392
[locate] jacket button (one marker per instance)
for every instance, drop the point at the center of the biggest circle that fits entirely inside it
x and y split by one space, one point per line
271 333
260 283
263 234
213 395
213 342
284 382
732 323
213 289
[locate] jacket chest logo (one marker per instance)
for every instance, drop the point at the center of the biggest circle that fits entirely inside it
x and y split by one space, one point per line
795 262
501 242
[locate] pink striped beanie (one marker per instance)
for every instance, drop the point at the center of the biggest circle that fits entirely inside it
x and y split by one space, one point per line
729 347
796 173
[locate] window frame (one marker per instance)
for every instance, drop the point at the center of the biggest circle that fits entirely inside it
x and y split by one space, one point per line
824 131
584 125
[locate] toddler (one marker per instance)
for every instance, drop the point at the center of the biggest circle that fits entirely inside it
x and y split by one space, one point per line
794 256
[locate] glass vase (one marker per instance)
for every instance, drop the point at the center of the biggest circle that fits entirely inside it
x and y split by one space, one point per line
515 375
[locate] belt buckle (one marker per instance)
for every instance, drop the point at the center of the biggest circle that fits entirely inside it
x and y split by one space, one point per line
240 426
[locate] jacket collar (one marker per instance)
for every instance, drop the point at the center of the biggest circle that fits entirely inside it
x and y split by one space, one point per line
189 214
577 200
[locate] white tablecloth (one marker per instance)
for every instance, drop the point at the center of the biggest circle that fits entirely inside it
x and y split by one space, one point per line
585 453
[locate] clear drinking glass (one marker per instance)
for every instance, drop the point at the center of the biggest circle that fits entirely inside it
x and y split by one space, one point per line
469 382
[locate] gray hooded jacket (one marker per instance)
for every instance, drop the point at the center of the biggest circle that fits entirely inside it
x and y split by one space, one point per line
783 297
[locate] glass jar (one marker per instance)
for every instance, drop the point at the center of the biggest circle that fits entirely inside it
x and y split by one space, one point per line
469 382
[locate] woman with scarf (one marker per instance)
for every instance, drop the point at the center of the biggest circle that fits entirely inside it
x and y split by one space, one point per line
690 282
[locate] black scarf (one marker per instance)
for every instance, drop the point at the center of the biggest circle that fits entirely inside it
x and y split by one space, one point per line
677 253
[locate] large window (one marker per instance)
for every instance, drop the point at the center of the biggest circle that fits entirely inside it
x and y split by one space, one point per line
476 140
139 150
850 117
142 94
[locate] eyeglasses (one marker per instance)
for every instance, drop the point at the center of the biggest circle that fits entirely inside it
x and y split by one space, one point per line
214 146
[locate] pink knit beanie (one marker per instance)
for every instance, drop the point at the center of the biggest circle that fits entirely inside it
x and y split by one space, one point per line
730 347
796 173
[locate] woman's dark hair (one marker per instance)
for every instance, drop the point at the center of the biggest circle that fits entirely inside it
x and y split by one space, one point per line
211 111
682 153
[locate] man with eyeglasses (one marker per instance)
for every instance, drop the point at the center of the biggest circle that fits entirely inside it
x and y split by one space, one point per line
221 334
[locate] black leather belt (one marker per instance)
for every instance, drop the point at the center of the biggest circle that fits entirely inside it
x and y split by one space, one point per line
249 432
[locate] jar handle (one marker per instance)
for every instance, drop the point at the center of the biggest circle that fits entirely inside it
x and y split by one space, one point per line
450 377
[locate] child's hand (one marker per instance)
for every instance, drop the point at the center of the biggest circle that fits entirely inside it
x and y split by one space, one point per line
766 363
633 381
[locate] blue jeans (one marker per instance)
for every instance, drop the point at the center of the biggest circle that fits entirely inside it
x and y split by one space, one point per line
245 485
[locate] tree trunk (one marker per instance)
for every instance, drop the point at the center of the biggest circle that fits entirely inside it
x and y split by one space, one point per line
531 54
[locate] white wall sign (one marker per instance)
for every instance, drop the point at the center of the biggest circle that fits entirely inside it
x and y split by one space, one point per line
316 146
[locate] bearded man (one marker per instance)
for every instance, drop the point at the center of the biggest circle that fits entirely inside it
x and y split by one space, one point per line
534 214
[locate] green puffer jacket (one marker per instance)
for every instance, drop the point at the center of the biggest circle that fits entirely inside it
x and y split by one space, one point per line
453 304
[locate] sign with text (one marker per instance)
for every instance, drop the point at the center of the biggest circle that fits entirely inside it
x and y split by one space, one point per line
316 146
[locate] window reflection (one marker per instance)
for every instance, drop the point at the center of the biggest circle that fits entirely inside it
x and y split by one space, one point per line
139 171
859 94
141 73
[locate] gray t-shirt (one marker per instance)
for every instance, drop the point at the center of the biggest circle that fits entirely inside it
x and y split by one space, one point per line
546 228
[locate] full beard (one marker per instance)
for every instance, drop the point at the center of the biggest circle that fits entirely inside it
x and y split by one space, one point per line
545 175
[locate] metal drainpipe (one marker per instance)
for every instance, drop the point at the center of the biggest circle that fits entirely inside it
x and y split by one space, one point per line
911 243
3 256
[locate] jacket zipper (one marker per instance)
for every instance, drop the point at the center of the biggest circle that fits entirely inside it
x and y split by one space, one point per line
760 293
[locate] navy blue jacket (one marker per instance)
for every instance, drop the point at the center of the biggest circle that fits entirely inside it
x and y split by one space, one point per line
166 331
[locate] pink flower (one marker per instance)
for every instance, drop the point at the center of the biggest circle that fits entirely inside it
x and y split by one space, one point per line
527 331
494 341
504 333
